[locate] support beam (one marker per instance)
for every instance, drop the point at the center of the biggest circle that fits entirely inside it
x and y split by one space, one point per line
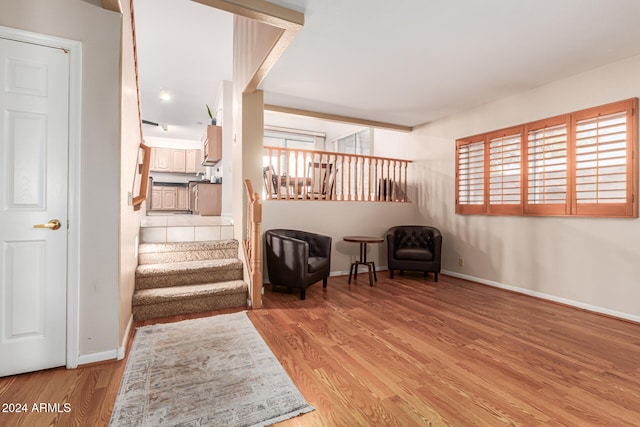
338 118
261 11
112 5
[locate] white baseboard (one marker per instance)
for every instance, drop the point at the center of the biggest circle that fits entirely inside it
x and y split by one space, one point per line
84 359
548 297
122 350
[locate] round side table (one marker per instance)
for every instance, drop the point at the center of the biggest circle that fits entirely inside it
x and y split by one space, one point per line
371 266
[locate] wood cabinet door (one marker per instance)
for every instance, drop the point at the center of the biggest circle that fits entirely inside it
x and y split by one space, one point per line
156 199
163 159
178 161
191 158
169 198
182 199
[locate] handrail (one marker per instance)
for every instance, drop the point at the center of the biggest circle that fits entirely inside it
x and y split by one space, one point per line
297 174
252 245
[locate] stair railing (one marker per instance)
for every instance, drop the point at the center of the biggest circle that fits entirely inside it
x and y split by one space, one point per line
298 174
252 245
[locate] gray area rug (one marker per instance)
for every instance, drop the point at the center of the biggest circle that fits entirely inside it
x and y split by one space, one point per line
214 371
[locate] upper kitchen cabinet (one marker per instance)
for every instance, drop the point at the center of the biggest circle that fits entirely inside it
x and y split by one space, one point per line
212 145
193 162
162 160
175 160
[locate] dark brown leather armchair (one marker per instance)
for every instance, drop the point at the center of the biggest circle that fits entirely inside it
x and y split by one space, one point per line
297 259
414 248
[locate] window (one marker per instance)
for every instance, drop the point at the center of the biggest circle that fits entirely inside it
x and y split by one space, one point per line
360 142
583 163
470 182
505 171
546 178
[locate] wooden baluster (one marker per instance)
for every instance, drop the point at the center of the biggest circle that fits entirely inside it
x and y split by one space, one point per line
342 178
405 182
388 195
377 183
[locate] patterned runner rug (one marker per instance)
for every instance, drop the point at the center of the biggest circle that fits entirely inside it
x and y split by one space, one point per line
214 371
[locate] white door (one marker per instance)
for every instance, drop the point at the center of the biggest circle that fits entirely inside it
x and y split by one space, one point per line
34 97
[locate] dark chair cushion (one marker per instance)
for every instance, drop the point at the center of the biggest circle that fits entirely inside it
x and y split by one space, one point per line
317 263
416 254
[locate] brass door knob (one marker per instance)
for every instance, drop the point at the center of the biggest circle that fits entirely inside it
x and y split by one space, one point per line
53 224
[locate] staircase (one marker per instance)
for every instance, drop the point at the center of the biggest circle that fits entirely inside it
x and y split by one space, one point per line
175 278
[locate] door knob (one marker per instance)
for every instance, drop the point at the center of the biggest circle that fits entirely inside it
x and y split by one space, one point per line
53 224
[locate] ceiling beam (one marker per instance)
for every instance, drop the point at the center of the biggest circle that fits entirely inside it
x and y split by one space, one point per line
261 11
337 118
112 5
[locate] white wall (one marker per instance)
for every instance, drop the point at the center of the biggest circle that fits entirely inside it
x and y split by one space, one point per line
593 263
99 32
130 145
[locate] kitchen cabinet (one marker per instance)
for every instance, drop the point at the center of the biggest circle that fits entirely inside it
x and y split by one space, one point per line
193 162
208 199
169 197
175 160
182 199
156 198
162 159
178 161
212 145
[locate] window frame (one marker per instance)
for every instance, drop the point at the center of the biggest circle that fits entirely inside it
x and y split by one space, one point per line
571 205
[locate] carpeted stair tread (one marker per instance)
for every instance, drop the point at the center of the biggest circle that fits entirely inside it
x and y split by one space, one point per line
154 253
188 273
174 293
186 266
145 248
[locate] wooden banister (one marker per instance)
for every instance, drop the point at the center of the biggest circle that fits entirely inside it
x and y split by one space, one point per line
252 245
296 174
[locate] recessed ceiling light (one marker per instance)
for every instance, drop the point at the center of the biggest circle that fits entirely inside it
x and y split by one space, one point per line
165 95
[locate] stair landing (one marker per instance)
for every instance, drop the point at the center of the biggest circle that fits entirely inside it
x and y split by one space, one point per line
184 228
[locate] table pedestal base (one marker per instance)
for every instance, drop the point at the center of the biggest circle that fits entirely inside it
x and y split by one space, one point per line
371 266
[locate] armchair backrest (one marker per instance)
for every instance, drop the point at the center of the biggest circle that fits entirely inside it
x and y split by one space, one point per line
415 236
319 245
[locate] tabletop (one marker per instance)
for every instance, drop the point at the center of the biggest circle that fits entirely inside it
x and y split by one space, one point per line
363 239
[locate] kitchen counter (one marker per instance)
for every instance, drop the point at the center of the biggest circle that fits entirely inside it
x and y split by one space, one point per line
170 184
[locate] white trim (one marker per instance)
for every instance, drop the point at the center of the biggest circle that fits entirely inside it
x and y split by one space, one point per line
74 49
122 350
97 357
548 297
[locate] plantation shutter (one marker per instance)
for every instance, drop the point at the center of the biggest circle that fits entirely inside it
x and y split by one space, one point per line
470 191
546 179
505 171
604 157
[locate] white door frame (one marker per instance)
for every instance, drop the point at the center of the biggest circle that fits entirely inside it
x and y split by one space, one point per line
74 49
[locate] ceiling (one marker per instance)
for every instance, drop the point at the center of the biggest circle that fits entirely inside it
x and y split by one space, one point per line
406 62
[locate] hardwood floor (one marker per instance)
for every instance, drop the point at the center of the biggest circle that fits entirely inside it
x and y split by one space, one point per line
409 352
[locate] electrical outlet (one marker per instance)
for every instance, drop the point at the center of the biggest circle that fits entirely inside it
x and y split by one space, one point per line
460 262
130 198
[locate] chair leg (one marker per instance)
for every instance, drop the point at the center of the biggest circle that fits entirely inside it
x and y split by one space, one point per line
426 274
435 275
303 293
324 282
391 273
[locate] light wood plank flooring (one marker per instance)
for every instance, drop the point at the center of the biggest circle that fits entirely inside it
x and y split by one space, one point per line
410 352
